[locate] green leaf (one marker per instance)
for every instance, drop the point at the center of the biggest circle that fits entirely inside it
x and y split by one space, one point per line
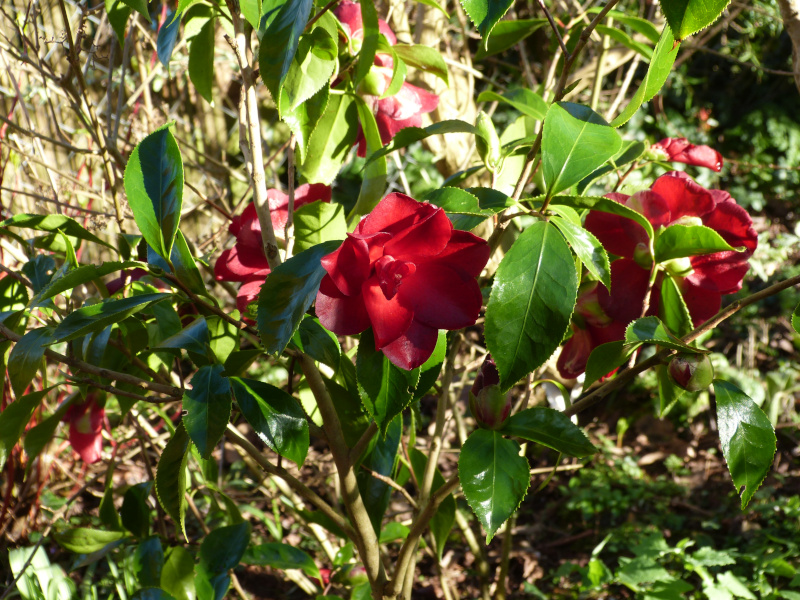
135 511
304 118
507 34
275 416
672 308
587 247
524 100
287 294
201 60
657 73
311 68
677 241
605 205
275 58
386 390
531 303
192 338
494 478
430 369
468 208
434 4
223 548
485 14
319 222
351 412
604 359
629 152
118 13
623 38
83 540
167 38
207 408
650 330
13 296
148 560
14 419
409 135
575 142
83 274
424 58
687 17
747 438
139 6
331 140
26 358
38 437
52 223
177 574
281 556
638 24
373 184
796 319
382 460
98 316
154 185
550 428
370 38
445 517
316 341
171 477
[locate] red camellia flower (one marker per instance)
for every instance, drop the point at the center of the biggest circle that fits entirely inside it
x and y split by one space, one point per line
246 262
403 109
407 273
85 427
674 199
680 150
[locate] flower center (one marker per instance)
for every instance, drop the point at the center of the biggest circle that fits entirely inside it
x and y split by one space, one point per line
688 220
391 272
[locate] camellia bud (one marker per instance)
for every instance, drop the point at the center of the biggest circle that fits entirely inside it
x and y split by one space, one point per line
487 143
374 83
489 405
692 372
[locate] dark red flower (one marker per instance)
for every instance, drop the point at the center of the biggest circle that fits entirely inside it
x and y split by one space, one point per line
246 262
85 429
349 15
407 273
601 316
488 403
680 150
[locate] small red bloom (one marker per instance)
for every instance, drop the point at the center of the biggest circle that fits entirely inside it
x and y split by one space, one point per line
680 150
407 273
85 427
246 262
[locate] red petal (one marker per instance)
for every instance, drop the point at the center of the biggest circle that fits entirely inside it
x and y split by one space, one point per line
721 272
249 229
343 315
88 445
390 318
422 240
348 266
574 354
628 287
248 292
732 222
240 264
466 253
652 206
702 303
395 213
441 297
388 127
618 235
683 196
413 348
680 150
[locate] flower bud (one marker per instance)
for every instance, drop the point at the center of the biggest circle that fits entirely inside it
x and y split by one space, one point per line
691 372
487 143
374 83
488 403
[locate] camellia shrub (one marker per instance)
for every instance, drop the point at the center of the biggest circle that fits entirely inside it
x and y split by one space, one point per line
330 311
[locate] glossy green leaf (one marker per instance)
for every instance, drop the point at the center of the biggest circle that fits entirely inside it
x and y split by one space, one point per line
370 38
373 184
353 417
251 9
331 140
118 13
53 223
154 185
171 477
629 152
201 60
687 17
135 511
148 560
468 208
223 548
494 478
275 416
318 222
83 540
485 14
434 4
507 34
445 517
316 341
638 24
386 390
678 241
409 135
399 72
192 338
275 58
223 339
624 39
747 438
281 556
430 369
311 69
424 58
550 428
796 319
303 119
382 460
650 330
38 437
98 316
673 310
177 574
80 276
26 358
604 359
207 408
531 303
605 205
139 6
575 142
524 100
660 65
167 39
287 294
587 248
14 419
13 296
